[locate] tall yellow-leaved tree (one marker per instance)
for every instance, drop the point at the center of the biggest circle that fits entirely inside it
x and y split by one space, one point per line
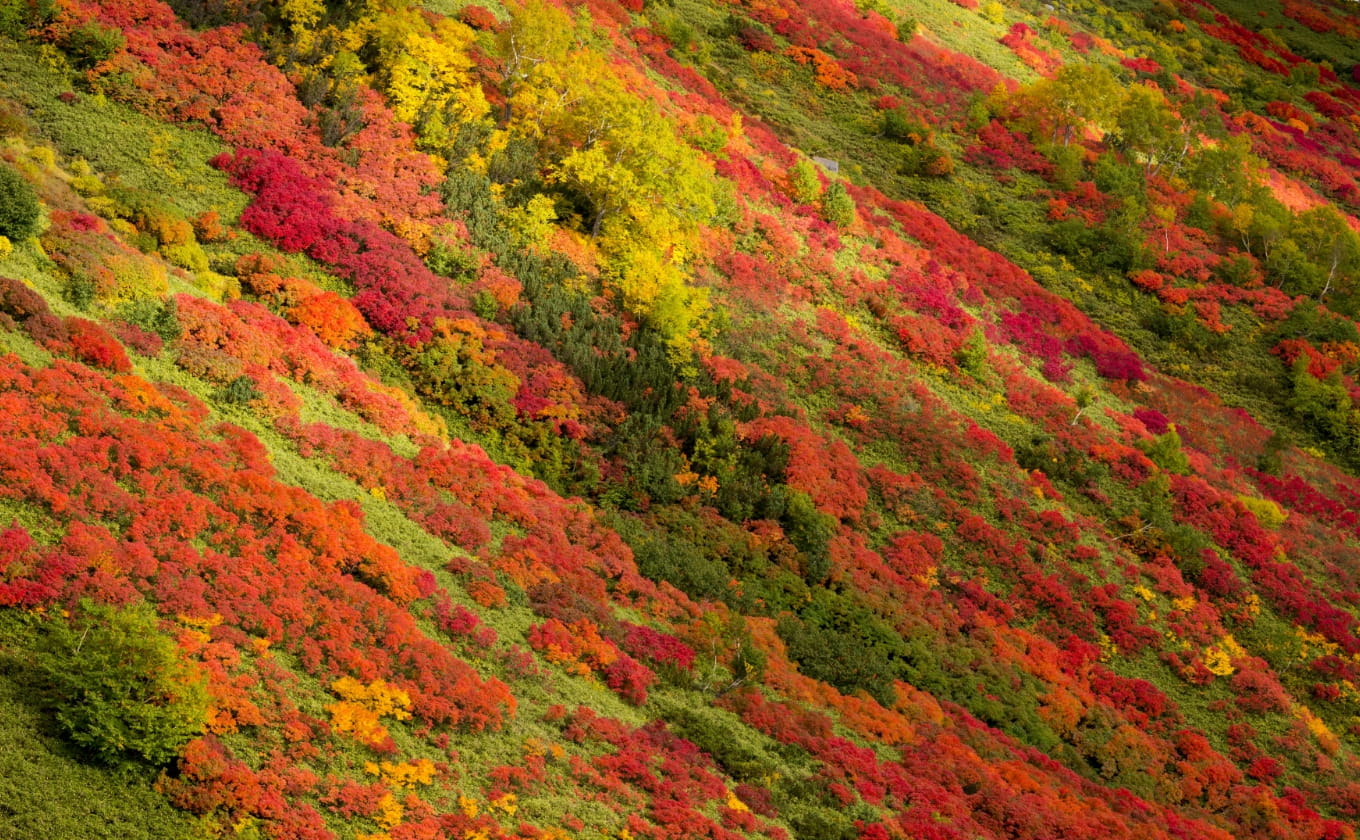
644 191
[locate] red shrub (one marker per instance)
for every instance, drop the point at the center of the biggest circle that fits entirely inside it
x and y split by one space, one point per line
629 679
1156 422
657 647
20 302
92 344
141 341
479 17
1258 691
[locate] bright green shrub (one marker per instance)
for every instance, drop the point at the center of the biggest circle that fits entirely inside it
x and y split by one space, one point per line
1165 452
18 16
91 44
840 642
161 318
448 258
838 207
804 183
809 530
19 209
818 822
120 687
1267 512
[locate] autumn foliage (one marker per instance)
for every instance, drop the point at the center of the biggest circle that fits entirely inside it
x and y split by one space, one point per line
548 447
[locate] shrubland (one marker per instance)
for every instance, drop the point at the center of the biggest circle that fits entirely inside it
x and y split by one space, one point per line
679 419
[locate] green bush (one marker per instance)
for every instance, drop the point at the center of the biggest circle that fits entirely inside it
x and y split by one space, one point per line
449 259
161 318
240 391
1165 452
79 291
485 305
721 734
1324 405
1317 324
90 44
844 644
19 209
817 822
48 792
683 565
900 127
838 207
1270 460
804 183
119 687
810 531
18 16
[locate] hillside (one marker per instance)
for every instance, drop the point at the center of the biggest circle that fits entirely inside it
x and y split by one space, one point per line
651 419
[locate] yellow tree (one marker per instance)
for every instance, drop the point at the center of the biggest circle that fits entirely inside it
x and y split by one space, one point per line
626 159
1329 241
529 48
611 147
1227 171
1146 127
642 190
424 70
654 287
1078 95
648 193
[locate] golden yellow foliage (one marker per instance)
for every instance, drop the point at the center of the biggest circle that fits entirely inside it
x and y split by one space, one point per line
1324 736
403 774
1184 604
1267 512
1108 649
390 811
1313 645
533 223
646 190
302 14
361 707
426 75
1218 658
1217 662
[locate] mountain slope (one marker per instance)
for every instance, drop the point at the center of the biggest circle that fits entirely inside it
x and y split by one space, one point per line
467 422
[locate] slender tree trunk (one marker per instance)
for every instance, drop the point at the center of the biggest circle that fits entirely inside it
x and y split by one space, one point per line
1331 275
